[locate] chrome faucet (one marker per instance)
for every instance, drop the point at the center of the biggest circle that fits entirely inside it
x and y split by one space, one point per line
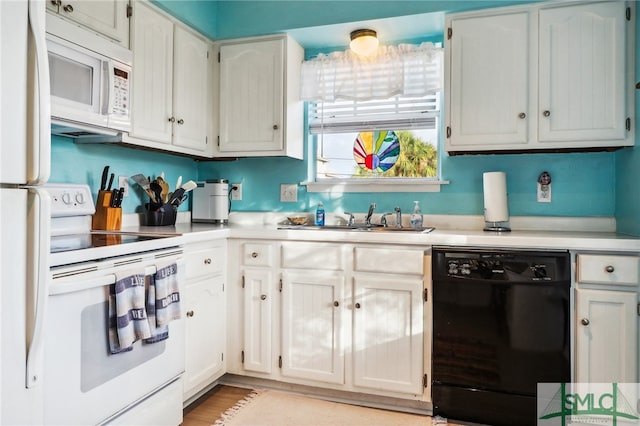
383 219
352 219
398 217
367 220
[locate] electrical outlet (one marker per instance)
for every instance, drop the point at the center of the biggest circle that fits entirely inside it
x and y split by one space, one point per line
236 192
543 193
289 192
123 182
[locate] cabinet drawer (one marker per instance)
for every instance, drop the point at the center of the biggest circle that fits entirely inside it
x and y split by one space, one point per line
603 269
390 260
257 254
209 261
312 256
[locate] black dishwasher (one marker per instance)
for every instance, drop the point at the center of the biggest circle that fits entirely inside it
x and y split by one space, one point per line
500 327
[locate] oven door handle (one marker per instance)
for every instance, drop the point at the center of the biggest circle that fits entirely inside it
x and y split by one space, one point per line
81 282
39 238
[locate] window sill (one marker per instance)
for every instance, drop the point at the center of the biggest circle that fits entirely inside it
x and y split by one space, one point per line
371 185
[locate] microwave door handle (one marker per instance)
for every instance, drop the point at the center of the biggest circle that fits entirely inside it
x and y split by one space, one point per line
40 96
107 88
38 279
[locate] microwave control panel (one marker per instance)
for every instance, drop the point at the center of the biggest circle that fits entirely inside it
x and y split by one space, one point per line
121 96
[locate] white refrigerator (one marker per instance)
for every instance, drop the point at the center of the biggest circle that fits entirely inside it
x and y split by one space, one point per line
25 144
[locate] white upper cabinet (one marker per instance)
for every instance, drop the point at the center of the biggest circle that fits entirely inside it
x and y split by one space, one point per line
172 95
109 18
582 73
489 80
261 113
540 77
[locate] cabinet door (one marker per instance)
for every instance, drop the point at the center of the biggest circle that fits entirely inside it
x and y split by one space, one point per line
582 72
153 76
257 320
205 333
606 336
107 17
251 96
489 81
388 333
312 325
190 90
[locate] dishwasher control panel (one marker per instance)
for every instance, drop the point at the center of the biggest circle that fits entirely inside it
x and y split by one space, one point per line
503 266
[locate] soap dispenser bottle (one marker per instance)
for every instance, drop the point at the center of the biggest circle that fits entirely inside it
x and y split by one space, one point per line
319 215
416 216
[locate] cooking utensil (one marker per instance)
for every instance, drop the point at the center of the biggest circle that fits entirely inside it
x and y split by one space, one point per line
177 197
179 182
110 182
103 182
165 188
144 184
188 186
157 191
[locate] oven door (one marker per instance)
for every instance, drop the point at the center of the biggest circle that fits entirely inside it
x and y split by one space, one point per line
84 383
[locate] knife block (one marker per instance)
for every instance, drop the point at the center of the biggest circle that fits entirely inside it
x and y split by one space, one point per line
106 218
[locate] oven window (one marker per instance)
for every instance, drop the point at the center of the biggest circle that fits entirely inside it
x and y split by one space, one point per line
98 366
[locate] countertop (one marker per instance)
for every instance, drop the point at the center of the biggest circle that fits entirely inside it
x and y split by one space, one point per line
561 240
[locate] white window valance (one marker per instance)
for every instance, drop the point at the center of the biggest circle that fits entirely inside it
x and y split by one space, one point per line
405 70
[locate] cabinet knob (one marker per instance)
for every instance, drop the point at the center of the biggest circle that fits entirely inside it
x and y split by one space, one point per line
522 115
181 121
56 2
189 314
357 306
584 321
609 268
336 303
172 119
207 261
546 113
254 254
263 297
275 127
68 8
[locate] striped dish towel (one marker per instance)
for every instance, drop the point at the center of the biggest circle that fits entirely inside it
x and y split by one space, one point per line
163 301
128 316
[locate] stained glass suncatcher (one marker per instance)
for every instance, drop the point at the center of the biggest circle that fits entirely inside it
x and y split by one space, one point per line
376 151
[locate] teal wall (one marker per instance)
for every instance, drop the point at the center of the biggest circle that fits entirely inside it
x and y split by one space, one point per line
83 163
584 184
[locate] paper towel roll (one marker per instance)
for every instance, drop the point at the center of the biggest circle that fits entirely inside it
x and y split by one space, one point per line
496 208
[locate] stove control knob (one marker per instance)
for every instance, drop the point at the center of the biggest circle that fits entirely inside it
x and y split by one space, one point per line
80 198
66 198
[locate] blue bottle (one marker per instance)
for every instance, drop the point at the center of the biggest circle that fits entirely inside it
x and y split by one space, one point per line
320 215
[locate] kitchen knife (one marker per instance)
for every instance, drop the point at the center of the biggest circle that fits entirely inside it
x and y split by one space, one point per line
120 197
103 182
114 198
110 182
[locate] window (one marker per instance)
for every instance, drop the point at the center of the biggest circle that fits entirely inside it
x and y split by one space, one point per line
359 109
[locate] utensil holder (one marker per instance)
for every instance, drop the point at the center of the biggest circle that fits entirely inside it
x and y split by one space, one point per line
106 218
163 216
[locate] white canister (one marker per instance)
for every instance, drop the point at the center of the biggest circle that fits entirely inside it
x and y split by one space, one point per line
211 201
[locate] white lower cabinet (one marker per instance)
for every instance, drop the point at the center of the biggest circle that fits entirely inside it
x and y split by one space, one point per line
606 336
312 306
204 306
258 316
330 315
606 320
388 333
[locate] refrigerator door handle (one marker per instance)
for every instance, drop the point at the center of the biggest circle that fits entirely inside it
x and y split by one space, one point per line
39 243
40 126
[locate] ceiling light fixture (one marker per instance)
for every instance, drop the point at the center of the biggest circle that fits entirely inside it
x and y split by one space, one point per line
364 42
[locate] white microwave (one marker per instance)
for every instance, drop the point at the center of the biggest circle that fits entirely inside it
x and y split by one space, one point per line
89 90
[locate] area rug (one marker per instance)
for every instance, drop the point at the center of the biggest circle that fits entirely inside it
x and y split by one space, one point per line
272 408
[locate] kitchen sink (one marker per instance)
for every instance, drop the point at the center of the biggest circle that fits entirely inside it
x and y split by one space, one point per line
357 227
